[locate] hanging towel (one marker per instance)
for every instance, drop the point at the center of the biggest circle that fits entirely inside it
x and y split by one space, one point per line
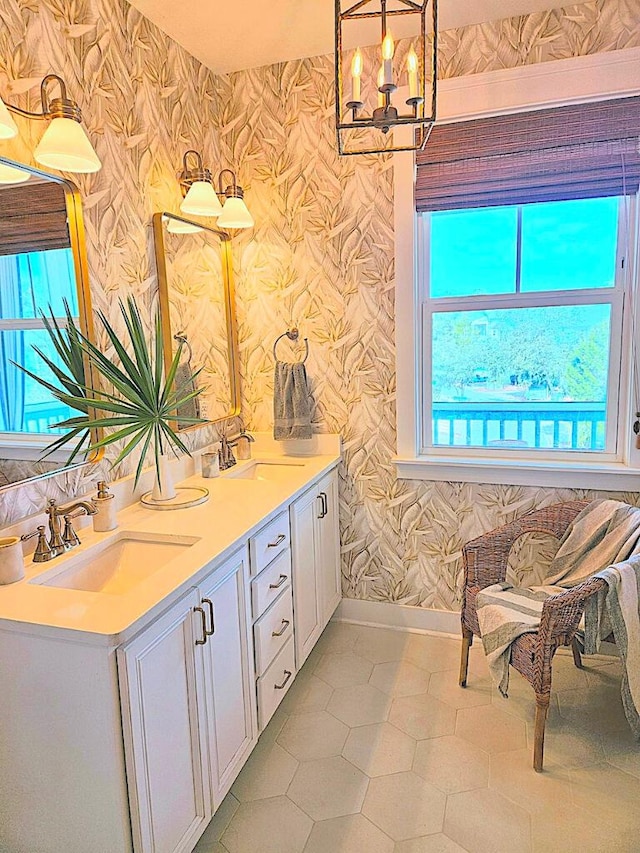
185 385
291 402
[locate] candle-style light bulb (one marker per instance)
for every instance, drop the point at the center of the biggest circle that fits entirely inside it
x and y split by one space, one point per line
356 74
387 56
381 97
412 71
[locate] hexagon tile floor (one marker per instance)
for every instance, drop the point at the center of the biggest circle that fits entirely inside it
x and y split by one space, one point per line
375 749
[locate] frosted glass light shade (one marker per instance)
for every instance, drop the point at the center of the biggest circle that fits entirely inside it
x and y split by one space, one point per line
176 226
66 147
235 214
201 200
8 127
11 175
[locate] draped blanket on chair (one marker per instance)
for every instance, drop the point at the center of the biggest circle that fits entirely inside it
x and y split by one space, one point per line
599 543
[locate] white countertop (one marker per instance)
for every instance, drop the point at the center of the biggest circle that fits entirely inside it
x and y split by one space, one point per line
236 508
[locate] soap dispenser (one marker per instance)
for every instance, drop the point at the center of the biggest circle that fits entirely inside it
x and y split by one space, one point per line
105 517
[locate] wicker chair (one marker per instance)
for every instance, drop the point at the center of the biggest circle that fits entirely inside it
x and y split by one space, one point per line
485 563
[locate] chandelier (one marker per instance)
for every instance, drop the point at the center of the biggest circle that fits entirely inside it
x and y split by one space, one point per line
386 74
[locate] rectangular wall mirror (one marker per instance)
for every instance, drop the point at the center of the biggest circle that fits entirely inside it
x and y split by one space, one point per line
42 265
197 301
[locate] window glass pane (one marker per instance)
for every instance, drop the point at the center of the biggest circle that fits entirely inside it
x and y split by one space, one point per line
25 406
527 377
569 244
473 251
31 282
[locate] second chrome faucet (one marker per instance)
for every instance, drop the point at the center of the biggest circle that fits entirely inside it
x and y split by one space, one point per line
59 540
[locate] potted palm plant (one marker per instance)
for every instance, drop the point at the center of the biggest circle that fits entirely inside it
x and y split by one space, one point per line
130 399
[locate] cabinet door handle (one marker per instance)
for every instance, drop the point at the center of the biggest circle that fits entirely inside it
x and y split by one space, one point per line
283 579
285 625
204 626
321 506
278 541
212 620
287 676
322 497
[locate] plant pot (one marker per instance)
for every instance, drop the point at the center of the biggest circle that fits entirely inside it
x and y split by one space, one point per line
163 488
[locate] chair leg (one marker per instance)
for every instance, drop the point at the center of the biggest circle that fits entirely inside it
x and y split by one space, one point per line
577 657
542 707
467 641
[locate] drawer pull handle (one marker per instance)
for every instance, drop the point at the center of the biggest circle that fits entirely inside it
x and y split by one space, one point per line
287 676
204 626
285 625
279 540
212 620
282 580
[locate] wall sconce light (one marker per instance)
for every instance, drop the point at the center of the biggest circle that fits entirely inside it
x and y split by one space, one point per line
64 145
201 199
11 175
366 113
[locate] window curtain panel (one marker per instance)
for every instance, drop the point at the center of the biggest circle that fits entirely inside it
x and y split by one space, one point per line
574 152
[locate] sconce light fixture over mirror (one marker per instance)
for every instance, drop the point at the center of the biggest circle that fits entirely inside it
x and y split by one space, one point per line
64 145
42 266
197 304
201 198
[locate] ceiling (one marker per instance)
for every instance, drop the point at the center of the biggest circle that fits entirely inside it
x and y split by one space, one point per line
231 36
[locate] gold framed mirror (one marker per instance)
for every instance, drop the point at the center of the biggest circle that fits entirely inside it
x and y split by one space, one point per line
197 305
43 264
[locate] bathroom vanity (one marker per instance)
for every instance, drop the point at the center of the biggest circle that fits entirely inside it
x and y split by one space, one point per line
138 672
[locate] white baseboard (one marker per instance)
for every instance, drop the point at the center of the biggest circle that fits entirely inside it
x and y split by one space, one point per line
400 617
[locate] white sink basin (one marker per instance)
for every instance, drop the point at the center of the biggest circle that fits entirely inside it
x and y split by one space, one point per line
118 564
272 471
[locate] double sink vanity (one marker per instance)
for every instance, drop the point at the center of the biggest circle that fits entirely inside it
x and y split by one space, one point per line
139 669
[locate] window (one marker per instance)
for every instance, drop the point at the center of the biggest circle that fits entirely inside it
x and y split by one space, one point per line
522 326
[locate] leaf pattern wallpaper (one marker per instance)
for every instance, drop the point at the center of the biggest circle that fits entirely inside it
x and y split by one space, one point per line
321 255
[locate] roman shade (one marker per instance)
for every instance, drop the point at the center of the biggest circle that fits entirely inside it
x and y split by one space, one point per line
33 218
578 151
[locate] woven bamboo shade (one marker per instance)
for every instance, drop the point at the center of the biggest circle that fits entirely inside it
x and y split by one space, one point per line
579 151
33 217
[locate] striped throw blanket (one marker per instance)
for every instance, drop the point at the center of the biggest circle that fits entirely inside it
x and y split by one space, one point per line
601 541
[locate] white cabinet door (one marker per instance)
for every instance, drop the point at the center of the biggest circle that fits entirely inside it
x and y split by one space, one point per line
162 688
328 568
304 516
229 673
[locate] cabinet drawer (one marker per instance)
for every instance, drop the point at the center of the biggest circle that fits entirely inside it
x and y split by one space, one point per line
273 685
270 583
273 630
272 540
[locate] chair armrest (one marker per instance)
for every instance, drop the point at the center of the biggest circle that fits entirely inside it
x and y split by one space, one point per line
561 613
486 558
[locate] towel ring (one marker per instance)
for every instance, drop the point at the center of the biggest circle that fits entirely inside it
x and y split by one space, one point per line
181 337
293 335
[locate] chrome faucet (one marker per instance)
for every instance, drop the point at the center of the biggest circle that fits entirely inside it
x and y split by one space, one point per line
60 541
227 459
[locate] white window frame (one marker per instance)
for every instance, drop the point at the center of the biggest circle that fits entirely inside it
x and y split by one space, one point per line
585 79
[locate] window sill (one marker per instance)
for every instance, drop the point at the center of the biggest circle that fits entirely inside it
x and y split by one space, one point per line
608 476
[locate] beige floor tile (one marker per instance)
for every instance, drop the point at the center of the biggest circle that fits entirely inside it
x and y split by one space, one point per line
444 686
307 693
344 670
483 821
437 843
563 828
275 725
605 675
359 705
314 735
491 729
451 764
337 638
400 678
267 773
513 776
566 675
404 806
219 822
595 707
566 746
609 792
433 654
628 762
382 646
213 847
422 716
349 834
328 787
379 749
271 826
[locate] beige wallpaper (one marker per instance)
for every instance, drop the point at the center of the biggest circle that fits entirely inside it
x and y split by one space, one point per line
321 255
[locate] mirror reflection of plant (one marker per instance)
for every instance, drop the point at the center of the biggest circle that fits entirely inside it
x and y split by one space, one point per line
142 402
